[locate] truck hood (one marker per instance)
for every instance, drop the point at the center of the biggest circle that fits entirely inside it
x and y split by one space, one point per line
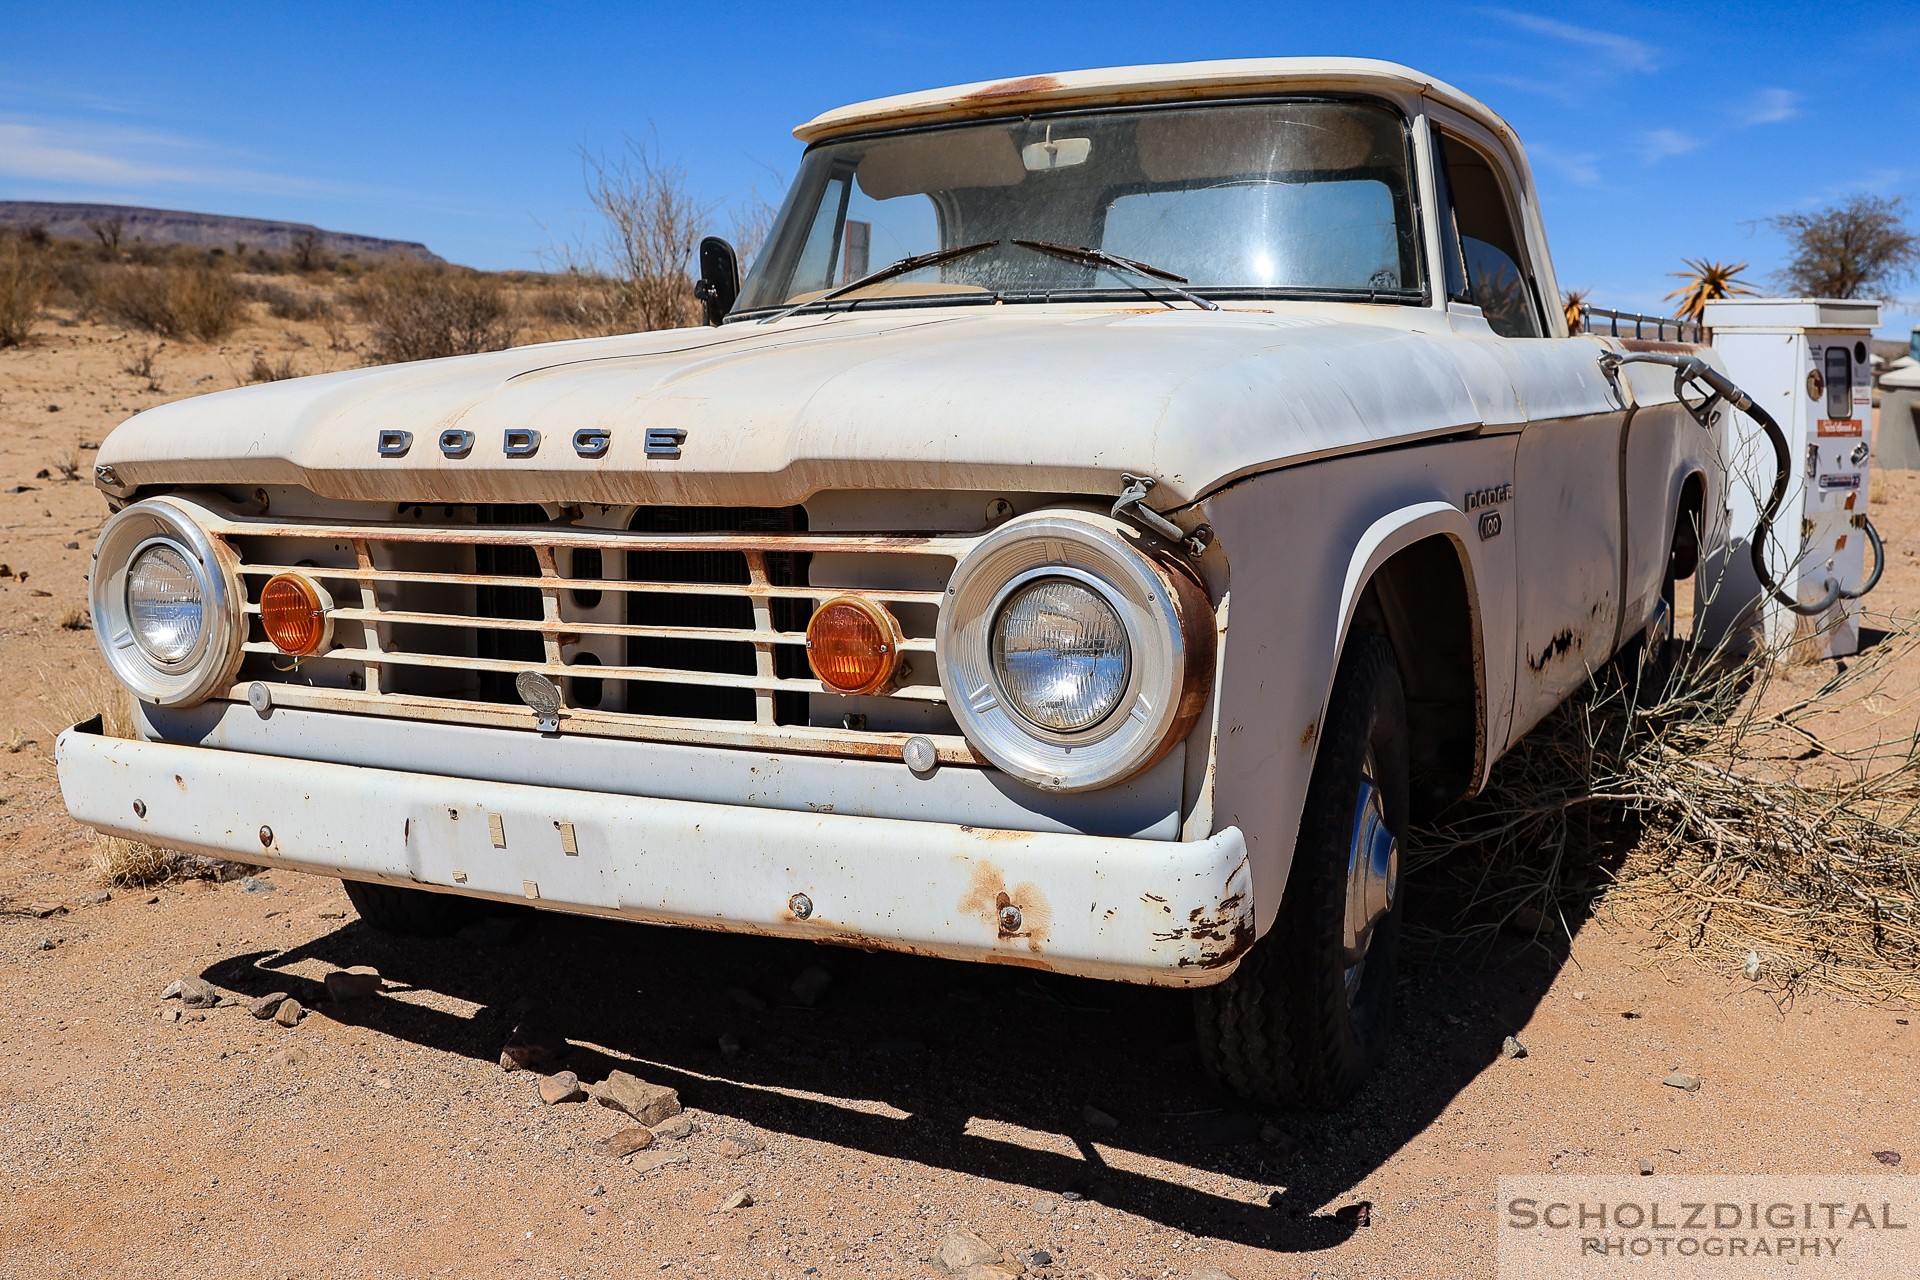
1050 399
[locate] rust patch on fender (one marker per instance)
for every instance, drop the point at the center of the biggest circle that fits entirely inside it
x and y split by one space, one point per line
1307 735
994 833
1014 88
1556 648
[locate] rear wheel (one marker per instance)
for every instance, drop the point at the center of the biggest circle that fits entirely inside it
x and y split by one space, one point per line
1307 1015
414 913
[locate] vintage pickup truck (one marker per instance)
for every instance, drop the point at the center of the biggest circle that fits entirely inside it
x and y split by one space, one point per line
1209 483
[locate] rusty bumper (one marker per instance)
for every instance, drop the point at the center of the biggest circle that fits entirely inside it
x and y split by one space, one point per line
1176 913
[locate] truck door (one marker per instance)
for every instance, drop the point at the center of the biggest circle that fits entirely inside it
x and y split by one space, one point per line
1566 499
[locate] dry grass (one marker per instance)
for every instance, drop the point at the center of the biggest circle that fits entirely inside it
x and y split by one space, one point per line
422 313
79 692
1746 839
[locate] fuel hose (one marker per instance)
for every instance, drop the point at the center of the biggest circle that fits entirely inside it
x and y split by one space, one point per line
1719 387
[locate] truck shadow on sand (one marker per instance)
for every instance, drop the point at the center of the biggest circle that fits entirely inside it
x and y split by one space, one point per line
957 1053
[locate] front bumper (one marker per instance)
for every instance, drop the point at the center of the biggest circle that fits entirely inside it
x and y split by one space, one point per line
1174 913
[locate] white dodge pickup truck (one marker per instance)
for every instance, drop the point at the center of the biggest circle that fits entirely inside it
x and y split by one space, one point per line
1209 480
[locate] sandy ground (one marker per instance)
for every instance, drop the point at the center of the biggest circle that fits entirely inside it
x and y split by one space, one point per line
915 1096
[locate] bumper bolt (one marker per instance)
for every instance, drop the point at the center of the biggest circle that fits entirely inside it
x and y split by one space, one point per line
139 808
1009 919
801 906
266 837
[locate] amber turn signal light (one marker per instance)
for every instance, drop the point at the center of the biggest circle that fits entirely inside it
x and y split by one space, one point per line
293 610
853 645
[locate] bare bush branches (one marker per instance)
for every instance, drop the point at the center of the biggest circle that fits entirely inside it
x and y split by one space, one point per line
636 275
1732 831
422 313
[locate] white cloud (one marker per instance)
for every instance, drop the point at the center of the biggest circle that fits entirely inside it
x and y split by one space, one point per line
28 151
1663 144
1580 168
77 153
1770 106
1623 51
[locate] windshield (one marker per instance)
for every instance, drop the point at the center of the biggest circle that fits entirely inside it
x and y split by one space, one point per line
1258 199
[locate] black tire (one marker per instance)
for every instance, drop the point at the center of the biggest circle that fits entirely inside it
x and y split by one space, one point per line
412 913
1282 1030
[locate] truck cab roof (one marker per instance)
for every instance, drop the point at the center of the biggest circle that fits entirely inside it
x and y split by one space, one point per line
1159 82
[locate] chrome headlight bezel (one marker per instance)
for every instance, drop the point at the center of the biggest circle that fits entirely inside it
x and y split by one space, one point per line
215 655
1168 625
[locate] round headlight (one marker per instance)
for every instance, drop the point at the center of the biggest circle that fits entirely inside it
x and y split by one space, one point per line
166 610
1060 651
1072 653
166 607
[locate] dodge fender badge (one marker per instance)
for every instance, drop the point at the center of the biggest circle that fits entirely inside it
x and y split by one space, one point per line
456 442
394 444
664 442
1489 525
541 694
592 442
1488 497
521 442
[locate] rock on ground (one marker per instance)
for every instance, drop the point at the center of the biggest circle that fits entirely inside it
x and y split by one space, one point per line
740 1145
618 1146
268 1005
291 1011
352 984
651 1160
676 1127
528 1049
647 1103
198 993
562 1086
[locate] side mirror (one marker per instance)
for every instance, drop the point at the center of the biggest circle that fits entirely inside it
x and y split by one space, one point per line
719 284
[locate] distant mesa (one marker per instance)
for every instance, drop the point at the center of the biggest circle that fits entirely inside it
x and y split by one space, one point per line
213 230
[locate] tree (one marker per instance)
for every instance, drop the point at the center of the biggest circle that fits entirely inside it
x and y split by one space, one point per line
108 232
1862 246
1707 282
309 255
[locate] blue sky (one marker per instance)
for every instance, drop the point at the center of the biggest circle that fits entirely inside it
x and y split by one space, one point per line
1656 132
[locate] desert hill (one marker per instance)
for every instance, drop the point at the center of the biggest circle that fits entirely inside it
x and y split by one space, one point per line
173 226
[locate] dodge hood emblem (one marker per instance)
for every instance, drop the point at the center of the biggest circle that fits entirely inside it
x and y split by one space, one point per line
541 694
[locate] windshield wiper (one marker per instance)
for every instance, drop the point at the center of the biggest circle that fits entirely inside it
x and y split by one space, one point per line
1092 257
900 268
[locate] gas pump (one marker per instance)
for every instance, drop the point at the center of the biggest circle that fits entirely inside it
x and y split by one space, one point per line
1806 362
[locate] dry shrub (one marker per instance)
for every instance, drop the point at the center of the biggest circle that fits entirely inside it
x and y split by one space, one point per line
422 313
1743 836
24 286
141 365
265 370
196 301
287 304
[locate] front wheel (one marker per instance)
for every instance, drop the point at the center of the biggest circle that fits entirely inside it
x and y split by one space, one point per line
411 913
1307 1015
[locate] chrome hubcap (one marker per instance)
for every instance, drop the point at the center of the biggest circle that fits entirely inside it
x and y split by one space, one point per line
1373 875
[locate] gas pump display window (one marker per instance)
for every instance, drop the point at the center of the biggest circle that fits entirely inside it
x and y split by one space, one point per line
1839 378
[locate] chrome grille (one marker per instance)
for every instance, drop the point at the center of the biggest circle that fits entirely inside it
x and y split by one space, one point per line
670 624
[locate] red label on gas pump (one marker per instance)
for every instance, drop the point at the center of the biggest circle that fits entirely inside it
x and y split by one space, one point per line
1839 426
